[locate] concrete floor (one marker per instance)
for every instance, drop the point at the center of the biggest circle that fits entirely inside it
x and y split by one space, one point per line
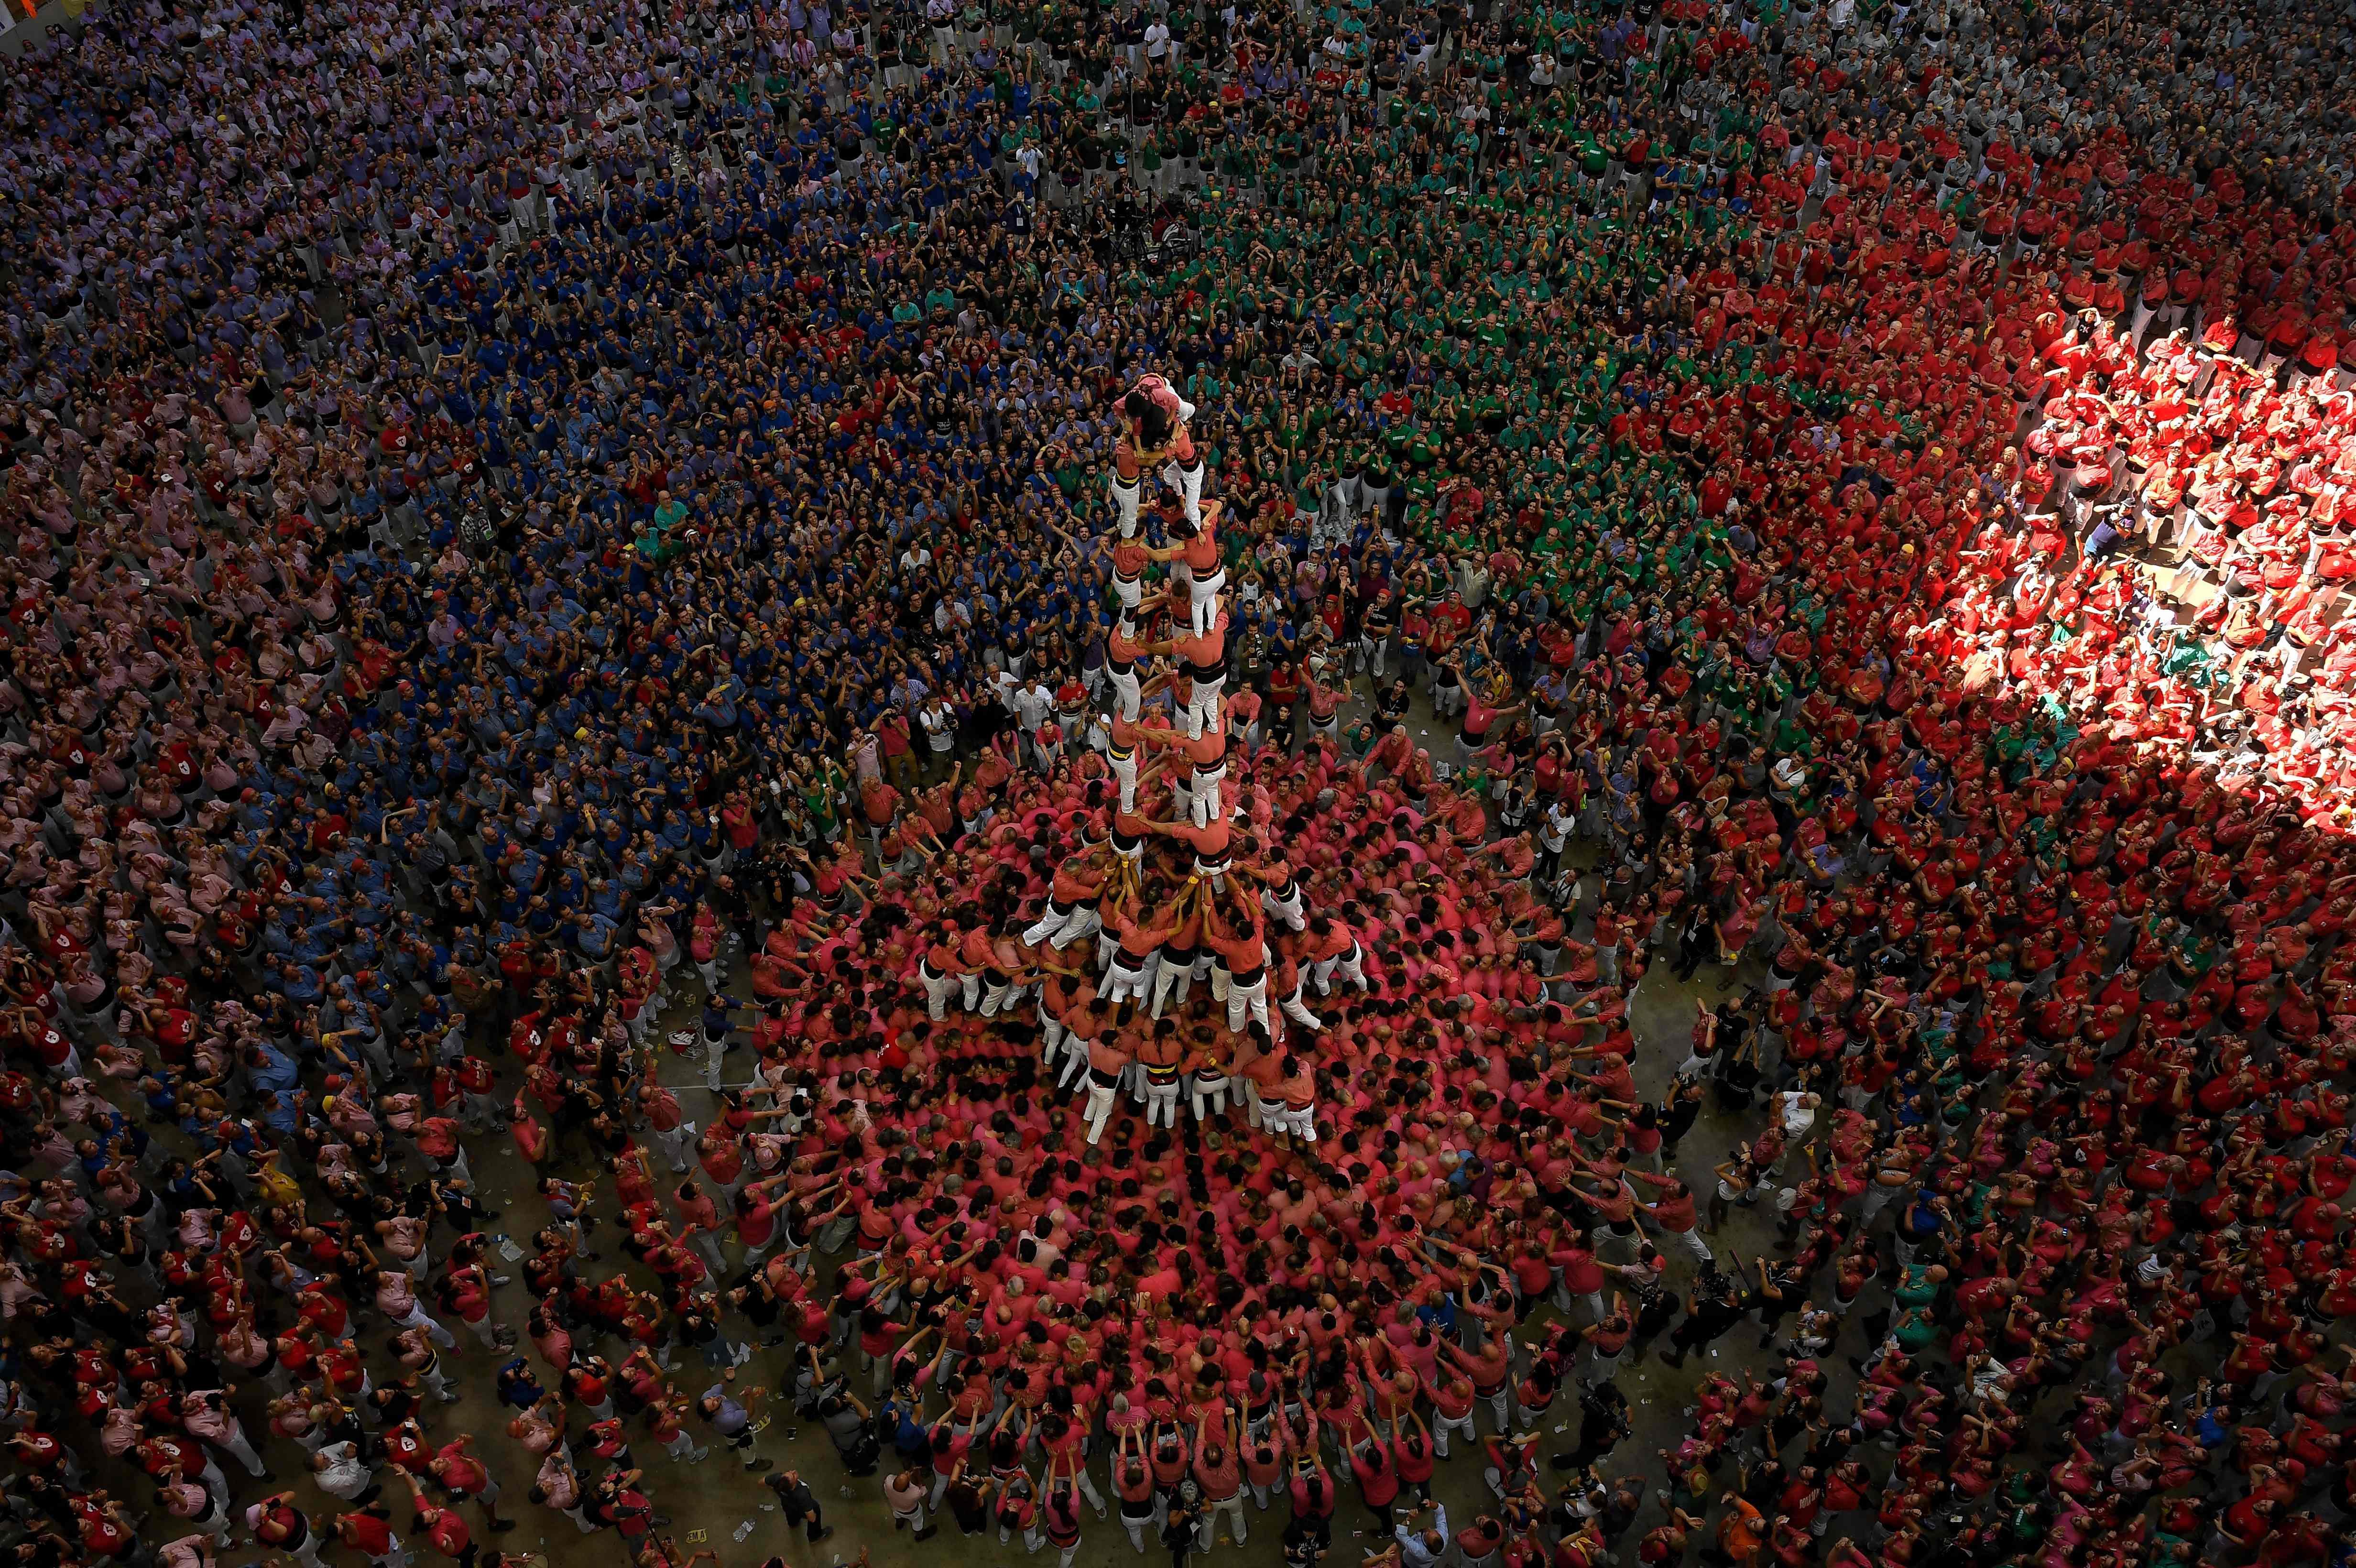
708 1502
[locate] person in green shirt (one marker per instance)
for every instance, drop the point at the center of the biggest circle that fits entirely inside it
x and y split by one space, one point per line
657 541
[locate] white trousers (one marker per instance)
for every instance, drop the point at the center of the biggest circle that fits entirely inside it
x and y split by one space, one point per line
1046 926
1250 999
1204 796
938 989
1128 985
1204 608
1130 690
1124 773
1082 922
1350 965
1203 706
1100 1099
1161 1103
1170 979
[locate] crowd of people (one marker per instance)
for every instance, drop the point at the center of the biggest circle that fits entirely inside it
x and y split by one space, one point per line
814 620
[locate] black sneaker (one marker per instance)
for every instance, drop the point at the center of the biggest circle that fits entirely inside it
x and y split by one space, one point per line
757 1467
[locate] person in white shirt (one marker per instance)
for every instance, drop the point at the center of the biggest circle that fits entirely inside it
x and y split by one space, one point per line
1157 39
939 724
339 1471
1554 837
1002 686
1032 703
1797 1111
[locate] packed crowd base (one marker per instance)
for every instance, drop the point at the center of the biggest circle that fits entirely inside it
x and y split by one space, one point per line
560 551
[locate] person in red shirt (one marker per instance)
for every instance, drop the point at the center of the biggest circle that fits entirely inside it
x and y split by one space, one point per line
1674 1212
465 1475
279 1525
368 1532
440 1527
1377 1476
106 1526
324 1311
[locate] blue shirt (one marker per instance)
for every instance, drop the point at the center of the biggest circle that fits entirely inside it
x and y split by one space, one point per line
1413 1548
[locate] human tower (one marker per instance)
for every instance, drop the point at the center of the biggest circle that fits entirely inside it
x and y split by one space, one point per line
1198 907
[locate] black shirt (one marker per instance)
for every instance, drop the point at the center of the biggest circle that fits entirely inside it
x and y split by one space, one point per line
794 1497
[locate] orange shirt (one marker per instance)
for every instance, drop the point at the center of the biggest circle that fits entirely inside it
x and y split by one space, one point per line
1210 842
1741 1534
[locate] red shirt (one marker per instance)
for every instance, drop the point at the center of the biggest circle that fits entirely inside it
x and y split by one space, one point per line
371 1534
465 1473
446 1530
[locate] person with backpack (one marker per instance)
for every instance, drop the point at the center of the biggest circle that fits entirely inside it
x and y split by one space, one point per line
850 1424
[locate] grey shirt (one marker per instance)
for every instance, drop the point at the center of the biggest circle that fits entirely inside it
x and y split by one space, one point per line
731 1418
